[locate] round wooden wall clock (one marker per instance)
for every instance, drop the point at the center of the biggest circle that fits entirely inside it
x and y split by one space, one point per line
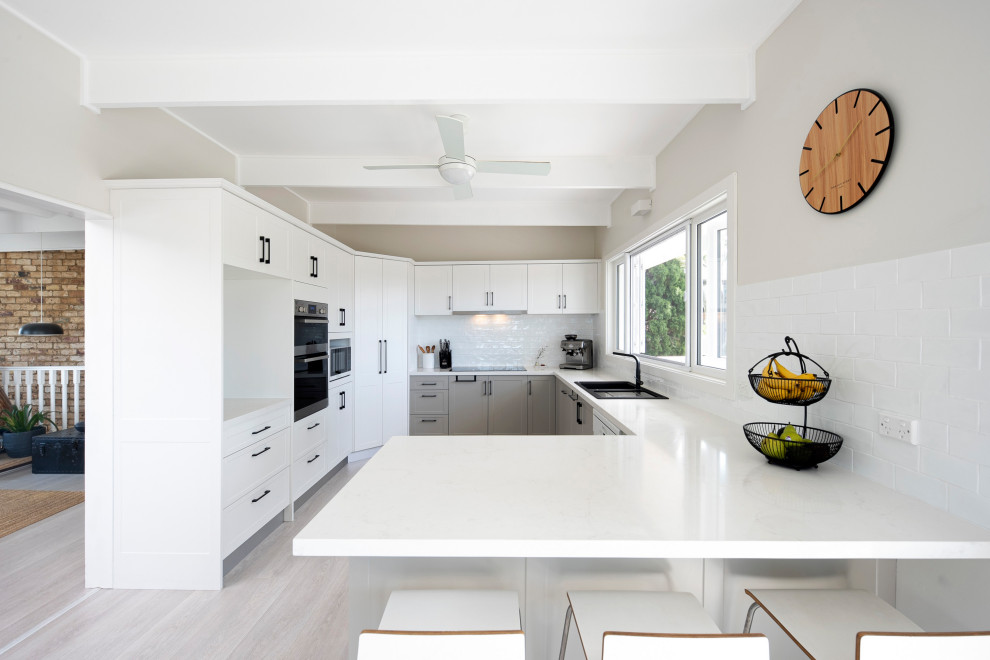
846 151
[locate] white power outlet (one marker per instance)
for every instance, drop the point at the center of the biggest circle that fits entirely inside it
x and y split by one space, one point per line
899 429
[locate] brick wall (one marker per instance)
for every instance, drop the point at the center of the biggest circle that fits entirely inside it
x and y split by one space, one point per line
19 302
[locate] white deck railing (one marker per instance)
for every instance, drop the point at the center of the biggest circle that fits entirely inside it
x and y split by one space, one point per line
52 390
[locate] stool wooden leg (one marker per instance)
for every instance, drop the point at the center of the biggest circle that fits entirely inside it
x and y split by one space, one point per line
749 617
567 629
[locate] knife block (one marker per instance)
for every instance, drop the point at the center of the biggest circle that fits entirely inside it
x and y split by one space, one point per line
445 359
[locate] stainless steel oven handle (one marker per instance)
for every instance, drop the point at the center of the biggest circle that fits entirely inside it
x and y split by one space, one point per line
316 321
315 358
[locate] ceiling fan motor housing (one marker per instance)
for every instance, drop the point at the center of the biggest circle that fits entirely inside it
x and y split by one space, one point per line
457 171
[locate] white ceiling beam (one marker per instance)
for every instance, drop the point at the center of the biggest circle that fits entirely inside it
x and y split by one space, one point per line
467 212
700 76
590 172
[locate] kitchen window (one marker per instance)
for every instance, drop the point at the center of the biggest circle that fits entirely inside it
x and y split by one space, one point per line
671 291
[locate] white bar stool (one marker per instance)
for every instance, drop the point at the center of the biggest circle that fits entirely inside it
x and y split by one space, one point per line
620 625
446 625
829 624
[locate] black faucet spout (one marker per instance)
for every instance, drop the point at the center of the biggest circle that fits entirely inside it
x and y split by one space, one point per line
639 381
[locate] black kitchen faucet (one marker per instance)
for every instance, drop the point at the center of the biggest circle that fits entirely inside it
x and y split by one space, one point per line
639 381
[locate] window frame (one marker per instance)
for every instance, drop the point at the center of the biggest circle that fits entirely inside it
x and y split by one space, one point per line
692 214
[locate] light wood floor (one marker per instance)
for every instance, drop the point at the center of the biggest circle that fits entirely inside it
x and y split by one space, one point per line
273 605
22 479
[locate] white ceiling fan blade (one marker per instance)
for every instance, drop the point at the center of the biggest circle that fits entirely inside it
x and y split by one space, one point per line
514 167
463 191
452 135
401 167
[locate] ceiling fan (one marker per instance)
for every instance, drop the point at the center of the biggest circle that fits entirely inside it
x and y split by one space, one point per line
458 168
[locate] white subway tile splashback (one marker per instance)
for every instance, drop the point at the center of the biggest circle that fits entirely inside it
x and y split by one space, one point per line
501 339
918 348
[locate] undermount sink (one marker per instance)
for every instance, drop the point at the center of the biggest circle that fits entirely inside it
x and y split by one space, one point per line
617 389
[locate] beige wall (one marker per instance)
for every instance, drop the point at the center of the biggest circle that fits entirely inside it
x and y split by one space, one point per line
281 197
467 243
928 59
52 145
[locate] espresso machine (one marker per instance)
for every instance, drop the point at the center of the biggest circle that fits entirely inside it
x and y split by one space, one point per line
579 353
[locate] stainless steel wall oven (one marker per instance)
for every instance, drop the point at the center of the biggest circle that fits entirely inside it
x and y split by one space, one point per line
310 358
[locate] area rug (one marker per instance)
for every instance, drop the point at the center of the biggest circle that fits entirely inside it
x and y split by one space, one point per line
7 463
20 508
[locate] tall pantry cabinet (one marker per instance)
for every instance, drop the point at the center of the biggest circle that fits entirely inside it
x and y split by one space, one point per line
381 398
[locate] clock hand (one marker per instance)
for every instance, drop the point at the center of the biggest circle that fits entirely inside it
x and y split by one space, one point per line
839 152
846 141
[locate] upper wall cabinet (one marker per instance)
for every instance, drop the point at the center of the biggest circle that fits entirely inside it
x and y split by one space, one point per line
341 285
563 288
254 239
433 290
489 287
308 258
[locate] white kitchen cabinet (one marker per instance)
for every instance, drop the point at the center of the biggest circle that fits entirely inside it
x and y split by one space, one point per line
308 258
340 418
570 288
309 452
541 405
379 351
341 288
433 294
489 287
487 405
253 238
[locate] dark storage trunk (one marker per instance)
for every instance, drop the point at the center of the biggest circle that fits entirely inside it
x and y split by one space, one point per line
59 453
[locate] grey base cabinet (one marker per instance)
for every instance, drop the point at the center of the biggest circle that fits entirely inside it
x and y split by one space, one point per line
574 414
541 405
487 405
428 405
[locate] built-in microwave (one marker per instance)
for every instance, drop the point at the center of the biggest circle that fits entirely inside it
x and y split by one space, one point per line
340 357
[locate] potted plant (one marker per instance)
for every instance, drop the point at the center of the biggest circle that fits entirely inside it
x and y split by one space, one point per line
20 424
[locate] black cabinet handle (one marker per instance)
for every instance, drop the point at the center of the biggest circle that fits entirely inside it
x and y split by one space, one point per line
428 421
386 356
316 264
262 239
261 452
530 383
342 401
313 459
343 316
379 356
579 421
565 301
448 302
428 396
558 302
310 428
424 384
268 245
260 496
260 430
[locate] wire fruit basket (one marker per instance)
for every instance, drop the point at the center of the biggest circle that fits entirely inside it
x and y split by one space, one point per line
778 385
782 443
816 445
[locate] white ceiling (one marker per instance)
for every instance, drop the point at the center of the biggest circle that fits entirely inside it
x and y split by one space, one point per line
307 91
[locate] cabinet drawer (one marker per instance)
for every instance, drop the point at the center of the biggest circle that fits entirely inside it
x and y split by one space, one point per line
428 403
308 432
427 425
248 429
249 513
428 382
307 470
243 470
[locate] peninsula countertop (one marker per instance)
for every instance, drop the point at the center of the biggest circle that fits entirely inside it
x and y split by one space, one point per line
685 485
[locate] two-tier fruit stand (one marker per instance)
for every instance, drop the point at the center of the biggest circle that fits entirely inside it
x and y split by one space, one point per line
782 443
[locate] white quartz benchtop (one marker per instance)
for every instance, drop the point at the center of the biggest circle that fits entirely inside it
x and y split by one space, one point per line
688 485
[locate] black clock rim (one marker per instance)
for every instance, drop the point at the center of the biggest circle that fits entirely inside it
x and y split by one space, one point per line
886 158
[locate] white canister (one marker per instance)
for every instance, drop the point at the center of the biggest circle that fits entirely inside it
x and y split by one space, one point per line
429 360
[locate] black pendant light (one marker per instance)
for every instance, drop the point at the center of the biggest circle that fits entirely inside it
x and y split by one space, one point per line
41 329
